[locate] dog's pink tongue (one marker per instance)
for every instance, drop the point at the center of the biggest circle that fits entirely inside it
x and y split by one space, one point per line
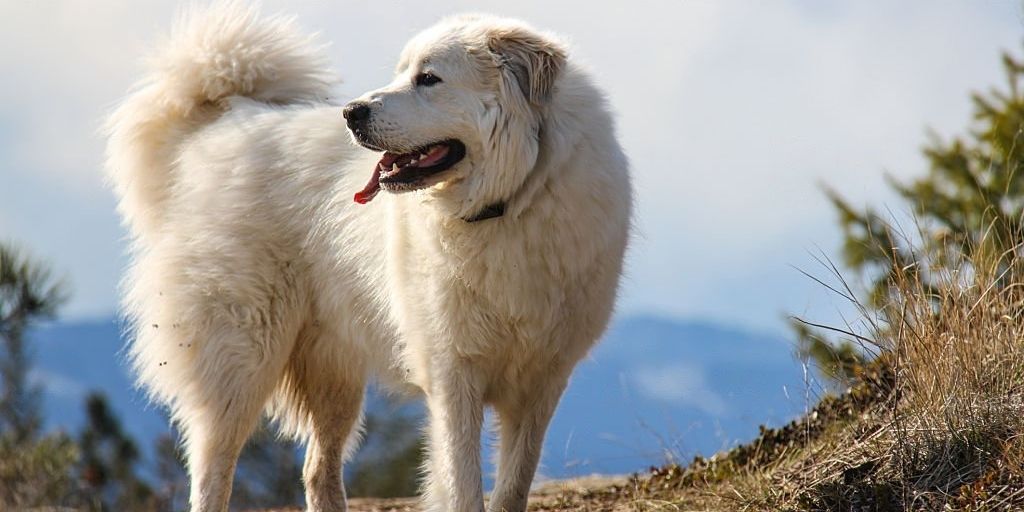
373 186
370 190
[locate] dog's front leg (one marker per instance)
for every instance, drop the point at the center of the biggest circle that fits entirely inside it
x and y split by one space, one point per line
455 402
523 417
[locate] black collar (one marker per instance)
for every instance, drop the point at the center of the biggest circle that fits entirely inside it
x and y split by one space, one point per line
489 212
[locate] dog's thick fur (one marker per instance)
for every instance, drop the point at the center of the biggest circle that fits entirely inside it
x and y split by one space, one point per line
257 284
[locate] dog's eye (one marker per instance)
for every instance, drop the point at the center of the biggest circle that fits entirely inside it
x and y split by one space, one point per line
427 79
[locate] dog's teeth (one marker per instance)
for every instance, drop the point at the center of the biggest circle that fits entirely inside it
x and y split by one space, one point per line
413 161
394 167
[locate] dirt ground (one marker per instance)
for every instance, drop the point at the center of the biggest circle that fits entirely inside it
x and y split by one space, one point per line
547 497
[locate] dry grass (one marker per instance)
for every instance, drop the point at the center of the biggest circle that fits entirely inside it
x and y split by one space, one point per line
959 355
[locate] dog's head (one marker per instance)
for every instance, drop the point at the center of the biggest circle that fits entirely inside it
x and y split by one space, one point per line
465 108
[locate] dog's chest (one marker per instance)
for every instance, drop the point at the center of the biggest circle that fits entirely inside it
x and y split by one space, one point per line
493 288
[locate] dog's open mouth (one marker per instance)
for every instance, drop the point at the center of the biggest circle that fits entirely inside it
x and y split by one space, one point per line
398 172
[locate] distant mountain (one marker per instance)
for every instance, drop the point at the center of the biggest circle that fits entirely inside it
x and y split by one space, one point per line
655 388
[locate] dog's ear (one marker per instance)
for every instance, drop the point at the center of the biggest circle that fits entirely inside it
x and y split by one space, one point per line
532 59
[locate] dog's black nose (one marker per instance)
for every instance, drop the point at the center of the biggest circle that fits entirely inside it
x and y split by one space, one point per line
356 113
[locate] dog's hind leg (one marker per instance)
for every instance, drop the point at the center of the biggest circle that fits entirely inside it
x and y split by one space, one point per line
523 419
323 394
334 420
233 375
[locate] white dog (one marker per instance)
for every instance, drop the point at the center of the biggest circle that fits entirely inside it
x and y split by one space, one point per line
484 274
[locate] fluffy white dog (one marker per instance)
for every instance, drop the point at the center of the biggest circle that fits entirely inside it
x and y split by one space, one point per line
481 277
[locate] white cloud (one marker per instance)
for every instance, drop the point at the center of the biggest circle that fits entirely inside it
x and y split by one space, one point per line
679 384
67 62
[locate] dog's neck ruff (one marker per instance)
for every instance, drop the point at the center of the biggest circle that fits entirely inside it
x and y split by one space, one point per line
497 209
489 212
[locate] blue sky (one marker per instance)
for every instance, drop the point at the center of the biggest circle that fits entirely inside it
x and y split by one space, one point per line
732 113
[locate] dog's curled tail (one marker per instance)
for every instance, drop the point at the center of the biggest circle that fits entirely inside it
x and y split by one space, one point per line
213 53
